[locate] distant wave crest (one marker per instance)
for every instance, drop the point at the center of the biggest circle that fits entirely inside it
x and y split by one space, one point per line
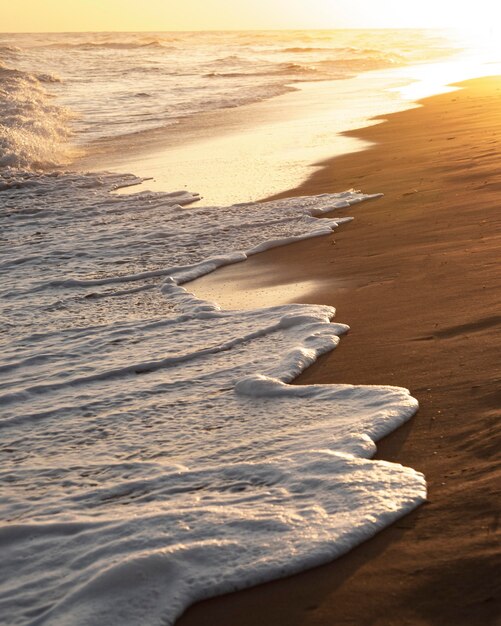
113 45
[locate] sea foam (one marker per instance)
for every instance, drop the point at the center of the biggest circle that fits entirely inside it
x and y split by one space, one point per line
153 448
34 130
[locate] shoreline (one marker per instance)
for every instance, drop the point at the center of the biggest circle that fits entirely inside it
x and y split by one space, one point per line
288 135
415 277
208 153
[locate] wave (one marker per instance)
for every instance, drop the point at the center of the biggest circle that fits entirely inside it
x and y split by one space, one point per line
7 48
171 458
282 69
34 132
323 69
301 49
111 45
341 51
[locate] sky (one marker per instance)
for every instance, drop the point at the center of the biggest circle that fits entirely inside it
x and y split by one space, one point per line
165 15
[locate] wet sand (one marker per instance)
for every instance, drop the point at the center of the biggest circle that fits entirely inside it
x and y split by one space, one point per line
416 276
241 154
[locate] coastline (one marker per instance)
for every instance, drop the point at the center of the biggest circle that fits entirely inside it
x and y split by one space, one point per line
415 276
288 136
146 516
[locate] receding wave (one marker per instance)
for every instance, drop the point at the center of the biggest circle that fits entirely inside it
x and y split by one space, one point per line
170 457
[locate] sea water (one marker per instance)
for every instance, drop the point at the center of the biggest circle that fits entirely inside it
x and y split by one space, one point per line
154 451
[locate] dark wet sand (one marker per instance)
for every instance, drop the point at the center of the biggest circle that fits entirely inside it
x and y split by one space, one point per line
416 276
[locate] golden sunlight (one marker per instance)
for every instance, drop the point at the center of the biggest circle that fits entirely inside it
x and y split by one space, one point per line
156 15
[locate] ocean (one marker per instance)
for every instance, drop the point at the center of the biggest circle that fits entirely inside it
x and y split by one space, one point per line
154 451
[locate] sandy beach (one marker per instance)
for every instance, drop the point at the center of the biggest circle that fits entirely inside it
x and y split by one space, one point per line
155 452
416 276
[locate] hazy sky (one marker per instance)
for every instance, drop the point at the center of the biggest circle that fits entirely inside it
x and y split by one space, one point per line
94 15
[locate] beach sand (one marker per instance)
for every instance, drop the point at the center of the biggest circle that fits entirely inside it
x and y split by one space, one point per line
416 276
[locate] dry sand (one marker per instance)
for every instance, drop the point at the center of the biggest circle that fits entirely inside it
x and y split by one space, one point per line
416 276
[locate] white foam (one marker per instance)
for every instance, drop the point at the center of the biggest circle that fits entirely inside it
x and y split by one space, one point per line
203 533
155 452
34 130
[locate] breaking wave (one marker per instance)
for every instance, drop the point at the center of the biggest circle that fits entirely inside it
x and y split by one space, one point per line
34 130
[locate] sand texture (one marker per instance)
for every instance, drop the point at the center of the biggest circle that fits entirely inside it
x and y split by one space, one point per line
416 276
